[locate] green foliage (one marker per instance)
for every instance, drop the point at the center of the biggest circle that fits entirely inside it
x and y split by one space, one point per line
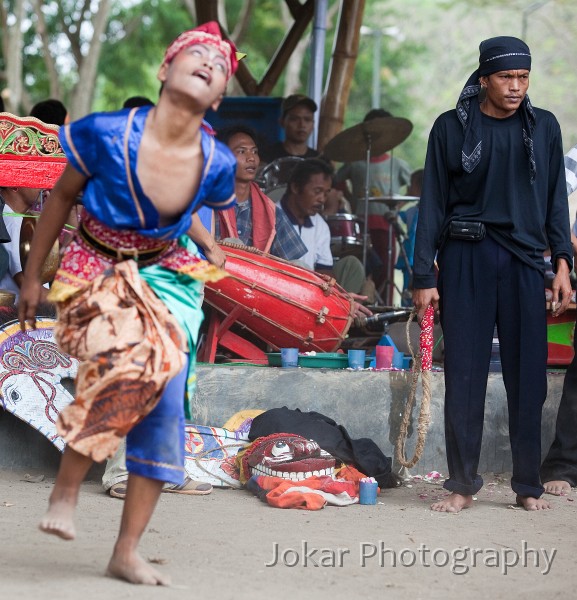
421 70
136 40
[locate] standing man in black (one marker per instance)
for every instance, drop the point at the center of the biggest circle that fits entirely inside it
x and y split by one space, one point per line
494 198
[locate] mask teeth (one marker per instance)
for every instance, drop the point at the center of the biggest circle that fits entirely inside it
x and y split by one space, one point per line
293 476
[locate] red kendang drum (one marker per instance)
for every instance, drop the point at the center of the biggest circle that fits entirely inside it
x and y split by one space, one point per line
282 304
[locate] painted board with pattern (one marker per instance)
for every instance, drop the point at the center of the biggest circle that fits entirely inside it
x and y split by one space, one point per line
32 370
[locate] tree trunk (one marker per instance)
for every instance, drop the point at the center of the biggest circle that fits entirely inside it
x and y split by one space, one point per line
292 82
191 7
341 70
48 58
238 35
84 90
206 10
12 95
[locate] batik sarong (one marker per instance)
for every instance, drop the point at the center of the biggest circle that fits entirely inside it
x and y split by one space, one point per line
129 346
128 341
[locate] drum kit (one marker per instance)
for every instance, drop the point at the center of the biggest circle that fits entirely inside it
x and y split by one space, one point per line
360 142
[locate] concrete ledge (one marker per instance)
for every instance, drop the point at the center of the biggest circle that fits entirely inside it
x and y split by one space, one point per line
368 404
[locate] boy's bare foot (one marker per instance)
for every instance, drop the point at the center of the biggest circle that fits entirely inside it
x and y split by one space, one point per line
134 569
557 488
453 503
58 519
530 503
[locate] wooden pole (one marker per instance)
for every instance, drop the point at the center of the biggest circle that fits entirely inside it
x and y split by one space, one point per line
206 10
341 70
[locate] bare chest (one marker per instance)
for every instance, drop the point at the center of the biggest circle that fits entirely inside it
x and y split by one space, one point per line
169 179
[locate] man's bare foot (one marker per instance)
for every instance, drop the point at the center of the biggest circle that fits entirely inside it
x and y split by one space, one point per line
557 488
530 503
58 520
453 503
134 569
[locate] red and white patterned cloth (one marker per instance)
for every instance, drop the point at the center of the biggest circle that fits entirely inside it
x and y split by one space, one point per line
81 263
207 33
426 339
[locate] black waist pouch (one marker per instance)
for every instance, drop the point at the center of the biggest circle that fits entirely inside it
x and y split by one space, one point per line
470 231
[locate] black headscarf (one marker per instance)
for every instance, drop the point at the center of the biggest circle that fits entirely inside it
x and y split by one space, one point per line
495 54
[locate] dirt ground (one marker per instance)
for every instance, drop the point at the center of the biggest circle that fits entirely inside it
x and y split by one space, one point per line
219 545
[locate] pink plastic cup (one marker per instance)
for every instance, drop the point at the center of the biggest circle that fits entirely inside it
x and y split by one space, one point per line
384 357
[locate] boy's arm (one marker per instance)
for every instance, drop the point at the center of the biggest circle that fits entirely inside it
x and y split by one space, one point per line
19 280
52 219
203 238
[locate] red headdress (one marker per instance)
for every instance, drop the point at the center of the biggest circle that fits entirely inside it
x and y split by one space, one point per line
207 33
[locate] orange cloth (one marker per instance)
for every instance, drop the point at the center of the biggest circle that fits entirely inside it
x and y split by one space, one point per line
349 473
263 220
309 494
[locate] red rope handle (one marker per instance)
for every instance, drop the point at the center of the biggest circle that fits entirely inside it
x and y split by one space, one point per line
426 339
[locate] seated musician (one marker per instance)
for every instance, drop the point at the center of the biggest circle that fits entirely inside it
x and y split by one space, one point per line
15 202
308 188
255 220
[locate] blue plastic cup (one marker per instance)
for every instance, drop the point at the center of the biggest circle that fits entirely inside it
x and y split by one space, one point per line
368 492
356 359
289 357
398 360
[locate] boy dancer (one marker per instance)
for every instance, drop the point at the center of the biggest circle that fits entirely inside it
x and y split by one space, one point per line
128 287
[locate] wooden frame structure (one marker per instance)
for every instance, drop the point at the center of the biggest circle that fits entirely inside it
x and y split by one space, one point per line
341 67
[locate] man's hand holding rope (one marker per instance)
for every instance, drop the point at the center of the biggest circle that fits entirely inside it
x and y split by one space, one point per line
421 300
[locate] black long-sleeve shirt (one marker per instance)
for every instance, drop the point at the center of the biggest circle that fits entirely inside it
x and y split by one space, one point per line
525 218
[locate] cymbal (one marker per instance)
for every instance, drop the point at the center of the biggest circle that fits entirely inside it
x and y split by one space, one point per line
382 134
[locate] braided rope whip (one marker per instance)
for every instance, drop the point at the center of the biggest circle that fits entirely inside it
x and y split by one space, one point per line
422 364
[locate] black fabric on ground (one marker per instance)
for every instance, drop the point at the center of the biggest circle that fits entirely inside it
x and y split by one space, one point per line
362 453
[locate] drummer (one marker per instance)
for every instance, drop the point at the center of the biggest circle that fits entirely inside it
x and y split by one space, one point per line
297 120
387 176
255 220
308 188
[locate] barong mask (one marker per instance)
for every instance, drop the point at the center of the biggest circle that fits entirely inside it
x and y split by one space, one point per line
285 455
207 33
495 54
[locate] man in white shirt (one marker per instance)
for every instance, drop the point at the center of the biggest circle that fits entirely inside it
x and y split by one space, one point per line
309 185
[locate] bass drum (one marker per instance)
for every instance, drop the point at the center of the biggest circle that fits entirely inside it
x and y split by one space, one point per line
274 177
284 305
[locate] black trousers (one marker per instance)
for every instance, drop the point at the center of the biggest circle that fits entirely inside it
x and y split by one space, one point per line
560 464
482 284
